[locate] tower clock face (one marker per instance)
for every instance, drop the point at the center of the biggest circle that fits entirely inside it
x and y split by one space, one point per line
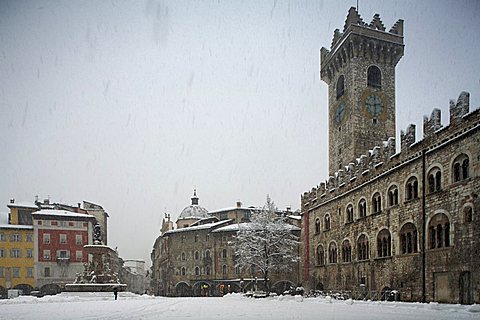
374 105
340 112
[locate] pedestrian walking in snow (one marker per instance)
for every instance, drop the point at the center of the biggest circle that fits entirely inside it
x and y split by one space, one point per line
115 292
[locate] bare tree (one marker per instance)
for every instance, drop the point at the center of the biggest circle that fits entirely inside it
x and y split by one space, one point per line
267 242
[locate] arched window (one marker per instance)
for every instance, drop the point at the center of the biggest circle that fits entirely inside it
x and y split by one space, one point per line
346 251
340 86
207 271
224 270
197 271
384 241
224 253
317 225
183 256
468 214
411 188
393 196
349 213
439 231
461 168
320 256
374 77
196 238
327 222
237 270
362 248
408 238
376 203
332 252
434 180
184 271
197 255
362 208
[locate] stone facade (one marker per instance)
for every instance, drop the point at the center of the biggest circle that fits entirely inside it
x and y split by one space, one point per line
199 260
405 221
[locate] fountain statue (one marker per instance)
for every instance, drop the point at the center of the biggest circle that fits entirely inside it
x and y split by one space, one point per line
101 272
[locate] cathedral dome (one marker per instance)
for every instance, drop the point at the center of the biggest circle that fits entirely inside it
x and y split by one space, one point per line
193 211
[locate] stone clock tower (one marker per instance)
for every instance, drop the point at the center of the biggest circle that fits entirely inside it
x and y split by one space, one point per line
360 72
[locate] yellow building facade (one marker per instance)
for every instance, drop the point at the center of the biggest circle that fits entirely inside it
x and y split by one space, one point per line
17 250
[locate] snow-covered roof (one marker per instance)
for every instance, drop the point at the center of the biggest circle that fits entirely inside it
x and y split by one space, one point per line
62 213
16 226
295 217
200 227
232 209
22 205
236 226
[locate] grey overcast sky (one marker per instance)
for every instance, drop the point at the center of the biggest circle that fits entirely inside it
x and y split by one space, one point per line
132 104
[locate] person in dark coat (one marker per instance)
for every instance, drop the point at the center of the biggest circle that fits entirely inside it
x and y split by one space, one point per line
115 292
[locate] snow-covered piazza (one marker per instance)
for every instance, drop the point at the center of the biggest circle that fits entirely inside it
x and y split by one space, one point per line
231 306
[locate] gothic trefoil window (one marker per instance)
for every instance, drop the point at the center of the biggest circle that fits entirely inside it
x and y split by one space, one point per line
349 213
374 77
377 203
384 241
362 248
434 180
320 256
362 208
439 231
412 188
327 222
393 196
332 253
346 251
408 239
461 168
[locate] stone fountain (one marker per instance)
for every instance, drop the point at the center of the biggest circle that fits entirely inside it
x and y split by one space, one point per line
100 274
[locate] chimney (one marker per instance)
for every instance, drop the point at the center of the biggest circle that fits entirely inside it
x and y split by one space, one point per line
46 201
239 204
12 200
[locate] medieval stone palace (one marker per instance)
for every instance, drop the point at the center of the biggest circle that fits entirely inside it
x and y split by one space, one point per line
388 219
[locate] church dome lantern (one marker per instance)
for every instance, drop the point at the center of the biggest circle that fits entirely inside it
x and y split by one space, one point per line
192 213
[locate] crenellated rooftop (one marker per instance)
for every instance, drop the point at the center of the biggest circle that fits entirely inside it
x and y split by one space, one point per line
381 159
361 39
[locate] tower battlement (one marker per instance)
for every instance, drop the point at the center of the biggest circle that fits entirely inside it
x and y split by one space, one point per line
361 39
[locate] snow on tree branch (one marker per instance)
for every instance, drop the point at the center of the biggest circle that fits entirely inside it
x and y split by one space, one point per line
267 242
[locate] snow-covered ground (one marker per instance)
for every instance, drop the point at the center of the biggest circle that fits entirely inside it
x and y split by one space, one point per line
130 306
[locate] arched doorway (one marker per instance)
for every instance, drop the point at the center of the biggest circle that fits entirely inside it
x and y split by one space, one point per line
202 289
182 289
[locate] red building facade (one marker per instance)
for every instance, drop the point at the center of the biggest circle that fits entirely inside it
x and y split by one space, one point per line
59 239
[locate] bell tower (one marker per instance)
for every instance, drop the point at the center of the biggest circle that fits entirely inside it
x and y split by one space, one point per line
359 70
